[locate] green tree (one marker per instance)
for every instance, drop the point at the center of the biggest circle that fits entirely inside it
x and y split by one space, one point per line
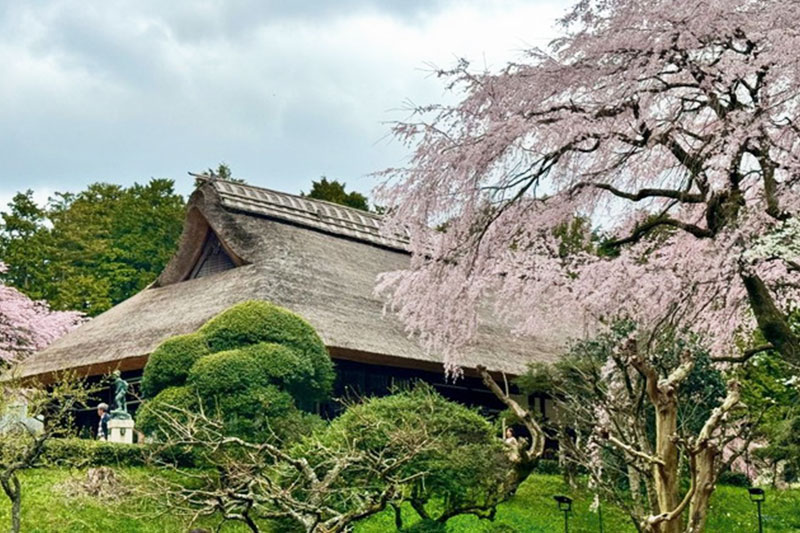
90 250
413 446
466 469
334 191
24 244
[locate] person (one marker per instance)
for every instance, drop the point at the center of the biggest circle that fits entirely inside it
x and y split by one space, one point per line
513 445
102 426
510 439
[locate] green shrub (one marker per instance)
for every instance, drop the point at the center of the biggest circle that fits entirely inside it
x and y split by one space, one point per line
169 364
466 465
254 364
737 479
228 372
169 401
548 466
81 453
257 322
427 526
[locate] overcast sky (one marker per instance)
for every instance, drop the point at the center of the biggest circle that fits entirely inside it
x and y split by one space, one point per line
282 91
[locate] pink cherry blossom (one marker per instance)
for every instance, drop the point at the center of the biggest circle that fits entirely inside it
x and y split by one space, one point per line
27 325
669 125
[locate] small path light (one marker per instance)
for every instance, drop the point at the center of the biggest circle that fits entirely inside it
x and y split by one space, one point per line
565 505
757 495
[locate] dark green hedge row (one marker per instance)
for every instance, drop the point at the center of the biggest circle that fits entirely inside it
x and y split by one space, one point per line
91 453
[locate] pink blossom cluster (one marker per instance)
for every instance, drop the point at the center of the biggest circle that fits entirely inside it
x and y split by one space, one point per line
27 326
670 126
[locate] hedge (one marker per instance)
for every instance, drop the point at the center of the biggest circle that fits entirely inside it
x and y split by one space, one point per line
91 453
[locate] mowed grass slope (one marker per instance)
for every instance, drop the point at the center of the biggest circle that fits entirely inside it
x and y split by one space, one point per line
47 509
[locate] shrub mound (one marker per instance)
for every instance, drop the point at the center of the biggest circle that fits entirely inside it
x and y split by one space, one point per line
465 465
169 364
255 364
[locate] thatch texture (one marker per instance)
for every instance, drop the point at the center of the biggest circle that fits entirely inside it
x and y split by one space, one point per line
314 258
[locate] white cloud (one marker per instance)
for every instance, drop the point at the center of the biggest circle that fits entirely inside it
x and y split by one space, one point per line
282 91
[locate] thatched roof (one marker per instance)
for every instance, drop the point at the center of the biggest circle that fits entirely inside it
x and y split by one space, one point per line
315 258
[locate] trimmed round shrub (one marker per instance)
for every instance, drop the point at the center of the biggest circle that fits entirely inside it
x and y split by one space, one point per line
169 364
257 322
229 372
465 465
250 387
254 365
169 401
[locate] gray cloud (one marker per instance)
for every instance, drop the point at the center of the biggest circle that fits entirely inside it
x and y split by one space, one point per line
284 92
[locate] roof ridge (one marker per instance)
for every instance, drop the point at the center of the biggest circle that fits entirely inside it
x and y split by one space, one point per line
310 212
299 196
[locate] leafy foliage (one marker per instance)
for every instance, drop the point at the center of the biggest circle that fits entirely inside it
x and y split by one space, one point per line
772 385
169 364
334 191
90 250
261 322
149 417
257 364
465 470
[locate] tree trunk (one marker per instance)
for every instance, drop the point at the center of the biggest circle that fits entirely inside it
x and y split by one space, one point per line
635 480
667 480
705 478
11 487
771 321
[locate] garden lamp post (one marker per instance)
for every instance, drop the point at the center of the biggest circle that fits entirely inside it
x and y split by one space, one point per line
757 496
565 505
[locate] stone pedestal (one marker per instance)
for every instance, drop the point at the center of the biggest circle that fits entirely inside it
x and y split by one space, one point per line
120 431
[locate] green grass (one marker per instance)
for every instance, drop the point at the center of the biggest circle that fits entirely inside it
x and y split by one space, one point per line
532 510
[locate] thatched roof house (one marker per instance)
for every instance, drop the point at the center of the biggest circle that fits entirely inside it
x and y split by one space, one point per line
315 258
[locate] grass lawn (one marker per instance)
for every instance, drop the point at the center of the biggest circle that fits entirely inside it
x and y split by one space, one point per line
46 509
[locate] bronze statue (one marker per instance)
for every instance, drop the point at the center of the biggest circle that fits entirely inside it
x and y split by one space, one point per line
120 409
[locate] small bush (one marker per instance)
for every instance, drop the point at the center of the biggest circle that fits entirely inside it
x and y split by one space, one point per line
169 401
86 453
169 364
548 466
737 479
466 466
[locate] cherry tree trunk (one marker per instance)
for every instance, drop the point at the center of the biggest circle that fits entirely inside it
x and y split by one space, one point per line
11 487
771 320
705 476
666 475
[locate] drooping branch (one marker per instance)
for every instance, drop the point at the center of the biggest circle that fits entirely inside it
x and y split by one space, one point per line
643 228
